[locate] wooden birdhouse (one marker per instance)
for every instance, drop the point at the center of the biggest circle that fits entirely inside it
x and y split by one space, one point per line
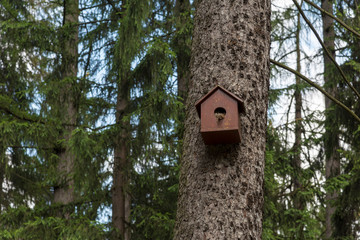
219 112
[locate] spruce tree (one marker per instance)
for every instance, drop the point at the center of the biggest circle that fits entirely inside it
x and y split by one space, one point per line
221 193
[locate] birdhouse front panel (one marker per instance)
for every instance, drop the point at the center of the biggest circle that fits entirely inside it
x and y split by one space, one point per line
219 113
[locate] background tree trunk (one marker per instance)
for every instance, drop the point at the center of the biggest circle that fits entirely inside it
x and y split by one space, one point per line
64 192
122 166
221 186
298 201
331 144
3 161
182 48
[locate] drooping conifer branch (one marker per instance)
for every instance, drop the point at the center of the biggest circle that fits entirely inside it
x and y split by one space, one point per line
5 105
318 87
22 116
333 17
118 11
325 49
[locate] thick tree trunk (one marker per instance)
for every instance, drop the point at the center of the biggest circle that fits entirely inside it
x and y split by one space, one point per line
332 164
221 186
121 172
64 192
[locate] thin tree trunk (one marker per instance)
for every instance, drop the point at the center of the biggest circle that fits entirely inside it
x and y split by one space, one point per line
221 186
182 48
121 172
2 174
332 164
182 14
298 201
64 192
298 121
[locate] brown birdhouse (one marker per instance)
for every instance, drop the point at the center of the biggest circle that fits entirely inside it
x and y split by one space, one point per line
219 112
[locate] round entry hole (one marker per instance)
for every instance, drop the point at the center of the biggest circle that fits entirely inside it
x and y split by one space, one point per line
220 113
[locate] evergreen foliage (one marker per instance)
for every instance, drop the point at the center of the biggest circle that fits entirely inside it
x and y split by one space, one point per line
139 50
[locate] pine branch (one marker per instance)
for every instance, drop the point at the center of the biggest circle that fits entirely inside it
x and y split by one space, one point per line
6 6
333 17
25 117
38 185
18 115
325 49
118 11
93 22
91 7
318 87
30 147
100 128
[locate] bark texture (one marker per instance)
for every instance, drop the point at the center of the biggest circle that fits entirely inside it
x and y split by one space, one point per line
64 192
332 162
221 186
121 198
298 121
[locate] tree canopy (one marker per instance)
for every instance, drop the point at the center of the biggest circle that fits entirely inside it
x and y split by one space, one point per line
92 106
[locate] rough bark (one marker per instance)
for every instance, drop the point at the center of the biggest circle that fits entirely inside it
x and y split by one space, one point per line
64 192
121 199
221 186
332 161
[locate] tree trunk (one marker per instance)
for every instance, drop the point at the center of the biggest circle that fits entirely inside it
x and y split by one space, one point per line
64 192
182 14
3 162
297 199
182 49
121 172
332 161
221 186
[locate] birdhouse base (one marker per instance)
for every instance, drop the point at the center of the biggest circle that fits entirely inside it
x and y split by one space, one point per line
220 137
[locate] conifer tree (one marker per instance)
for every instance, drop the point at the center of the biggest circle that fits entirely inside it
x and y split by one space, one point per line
292 189
345 217
182 42
298 201
16 93
67 102
220 188
127 46
331 143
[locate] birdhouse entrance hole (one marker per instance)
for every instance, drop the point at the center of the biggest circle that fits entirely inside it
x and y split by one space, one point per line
220 113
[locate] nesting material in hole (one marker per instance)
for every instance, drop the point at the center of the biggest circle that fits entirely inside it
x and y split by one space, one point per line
220 113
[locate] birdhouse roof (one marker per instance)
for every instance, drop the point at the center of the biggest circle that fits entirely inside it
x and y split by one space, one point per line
239 101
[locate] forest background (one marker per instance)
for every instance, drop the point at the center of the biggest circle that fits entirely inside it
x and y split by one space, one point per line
92 109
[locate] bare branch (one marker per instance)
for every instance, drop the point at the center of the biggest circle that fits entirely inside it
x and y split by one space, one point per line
325 49
333 17
318 87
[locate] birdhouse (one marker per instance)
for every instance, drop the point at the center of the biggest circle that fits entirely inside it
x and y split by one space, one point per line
219 112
